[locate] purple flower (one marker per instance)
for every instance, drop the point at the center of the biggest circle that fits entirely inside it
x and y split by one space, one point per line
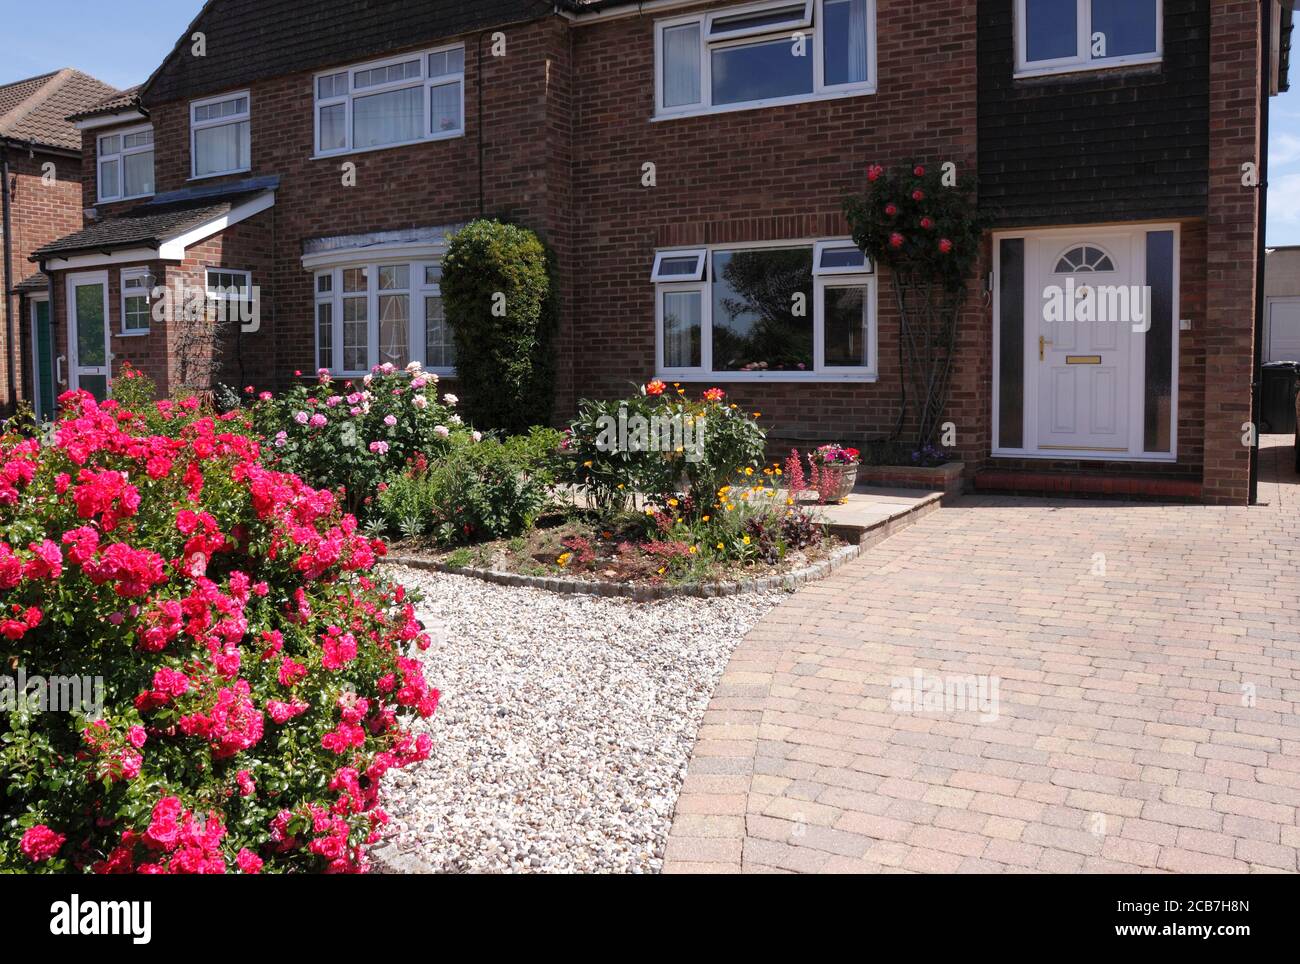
390 420
379 448
318 420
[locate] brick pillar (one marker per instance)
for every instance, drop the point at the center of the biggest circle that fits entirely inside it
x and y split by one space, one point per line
1230 256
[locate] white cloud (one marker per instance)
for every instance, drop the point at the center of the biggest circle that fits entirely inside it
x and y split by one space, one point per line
1283 150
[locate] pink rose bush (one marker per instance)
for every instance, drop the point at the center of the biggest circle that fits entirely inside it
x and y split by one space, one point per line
256 671
346 435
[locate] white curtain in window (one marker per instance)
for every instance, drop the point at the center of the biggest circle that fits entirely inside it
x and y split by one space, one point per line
394 329
139 173
390 118
857 41
681 65
220 149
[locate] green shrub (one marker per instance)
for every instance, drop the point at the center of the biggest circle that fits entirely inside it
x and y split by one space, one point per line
501 304
484 490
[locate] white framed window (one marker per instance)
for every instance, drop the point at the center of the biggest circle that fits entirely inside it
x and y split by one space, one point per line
125 164
232 290
764 54
219 135
383 312
402 100
1058 36
679 265
779 311
136 306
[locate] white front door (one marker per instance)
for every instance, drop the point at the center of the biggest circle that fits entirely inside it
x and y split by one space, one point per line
1080 354
89 358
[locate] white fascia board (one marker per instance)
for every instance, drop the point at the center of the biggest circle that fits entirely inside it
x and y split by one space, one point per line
110 120
101 259
174 250
399 251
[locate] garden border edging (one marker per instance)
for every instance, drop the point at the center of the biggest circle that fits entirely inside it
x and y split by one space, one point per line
789 581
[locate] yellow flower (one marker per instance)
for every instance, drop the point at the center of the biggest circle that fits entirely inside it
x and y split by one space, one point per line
564 558
705 519
649 511
789 501
672 502
694 550
758 415
587 464
620 485
720 546
749 470
778 471
661 571
746 540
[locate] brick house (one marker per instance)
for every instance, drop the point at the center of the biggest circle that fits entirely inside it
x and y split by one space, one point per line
667 150
40 194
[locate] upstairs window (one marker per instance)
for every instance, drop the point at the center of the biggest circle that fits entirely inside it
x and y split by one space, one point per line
419 97
126 164
1056 36
765 53
219 135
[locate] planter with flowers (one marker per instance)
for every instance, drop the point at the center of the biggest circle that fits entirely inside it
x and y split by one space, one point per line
834 471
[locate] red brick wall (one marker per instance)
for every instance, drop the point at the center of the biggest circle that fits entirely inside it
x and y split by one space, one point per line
40 213
1230 253
778 173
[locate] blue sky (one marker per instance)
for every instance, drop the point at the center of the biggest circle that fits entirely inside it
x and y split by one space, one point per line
121 41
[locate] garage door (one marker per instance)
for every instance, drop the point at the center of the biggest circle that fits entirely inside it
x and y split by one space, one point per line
1283 341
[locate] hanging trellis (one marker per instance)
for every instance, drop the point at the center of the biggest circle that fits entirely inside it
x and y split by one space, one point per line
922 225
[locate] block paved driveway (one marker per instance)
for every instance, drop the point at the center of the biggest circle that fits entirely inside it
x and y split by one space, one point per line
1147 716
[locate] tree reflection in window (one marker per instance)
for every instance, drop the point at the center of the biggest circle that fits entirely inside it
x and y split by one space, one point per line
763 310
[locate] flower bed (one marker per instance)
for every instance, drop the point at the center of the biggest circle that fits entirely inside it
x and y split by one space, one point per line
253 668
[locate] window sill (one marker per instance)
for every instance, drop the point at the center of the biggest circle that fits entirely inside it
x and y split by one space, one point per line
119 200
1087 69
722 378
388 147
864 91
208 177
132 334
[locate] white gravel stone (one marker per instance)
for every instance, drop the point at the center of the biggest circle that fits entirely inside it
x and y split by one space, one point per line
564 728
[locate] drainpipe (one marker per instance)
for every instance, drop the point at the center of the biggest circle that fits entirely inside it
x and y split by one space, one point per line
1257 375
11 359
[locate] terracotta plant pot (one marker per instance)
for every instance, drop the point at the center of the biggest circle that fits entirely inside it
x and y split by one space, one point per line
836 480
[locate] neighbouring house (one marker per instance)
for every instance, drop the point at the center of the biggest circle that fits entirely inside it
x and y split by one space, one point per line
312 160
1281 336
40 194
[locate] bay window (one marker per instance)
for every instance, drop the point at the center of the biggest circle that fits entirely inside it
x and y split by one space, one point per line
764 53
1056 36
381 313
413 98
125 161
219 135
789 311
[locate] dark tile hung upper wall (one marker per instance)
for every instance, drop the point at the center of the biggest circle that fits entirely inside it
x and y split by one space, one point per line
1117 145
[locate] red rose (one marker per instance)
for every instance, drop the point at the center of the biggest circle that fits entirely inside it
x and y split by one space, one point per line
927 223
945 245
655 387
895 240
919 171
891 210
874 172
918 195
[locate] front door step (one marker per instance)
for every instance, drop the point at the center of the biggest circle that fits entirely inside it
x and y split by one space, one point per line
1056 483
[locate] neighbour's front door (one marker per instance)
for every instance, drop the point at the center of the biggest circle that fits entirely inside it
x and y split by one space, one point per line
89 357
43 364
1081 343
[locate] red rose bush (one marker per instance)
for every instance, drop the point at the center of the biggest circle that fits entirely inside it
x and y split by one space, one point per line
255 672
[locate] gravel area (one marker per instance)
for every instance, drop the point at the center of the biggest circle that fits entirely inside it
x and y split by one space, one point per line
564 729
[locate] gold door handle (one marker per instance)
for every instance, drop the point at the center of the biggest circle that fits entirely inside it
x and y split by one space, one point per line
1041 343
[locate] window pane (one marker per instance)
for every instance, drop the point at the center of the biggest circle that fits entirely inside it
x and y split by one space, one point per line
444 108
333 127
138 139
682 310
389 118
846 327
792 14
688 265
446 62
90 326
325 282
111 144
394 276
335 85
354 279
395 329
1011 344
1128 26
138 169
97 385
356 335
759 323
1051 29
433 274
759 71
844 30
1160 342
842 258
136 314
221 149
325 335
681 65
108 181
439 347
